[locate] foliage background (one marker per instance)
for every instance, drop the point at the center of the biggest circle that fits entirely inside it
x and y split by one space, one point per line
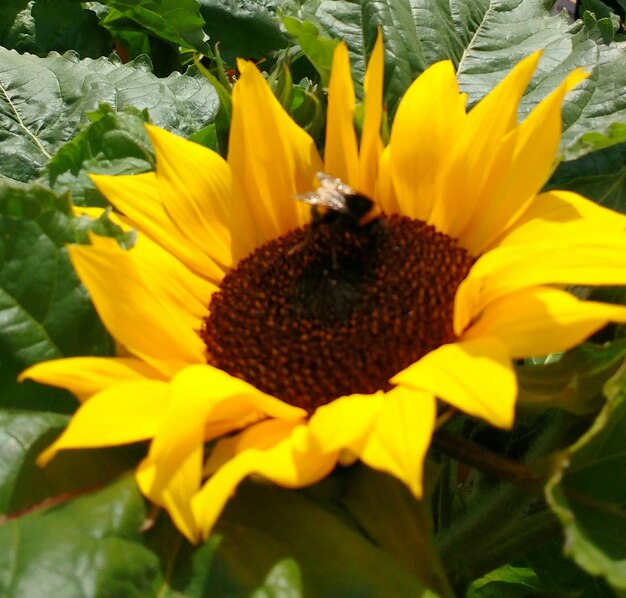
77 82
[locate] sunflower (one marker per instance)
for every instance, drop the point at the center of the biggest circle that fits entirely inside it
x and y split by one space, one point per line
296 343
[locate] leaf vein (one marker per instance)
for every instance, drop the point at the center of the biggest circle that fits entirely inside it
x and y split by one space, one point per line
21 123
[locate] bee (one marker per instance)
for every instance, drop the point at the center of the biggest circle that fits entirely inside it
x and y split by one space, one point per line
345 229
342 206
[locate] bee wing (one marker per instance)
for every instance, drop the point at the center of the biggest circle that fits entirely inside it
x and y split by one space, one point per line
334 183
332 200
331 194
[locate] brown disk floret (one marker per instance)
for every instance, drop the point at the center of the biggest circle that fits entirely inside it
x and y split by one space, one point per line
324 312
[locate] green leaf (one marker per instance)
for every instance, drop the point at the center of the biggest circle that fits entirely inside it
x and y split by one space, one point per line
594 141
90 546
57 25
45 312
9 9
396 522
544 571
25 487
574 382
44 101
599 175
319 50
418 33
115 143
244 29
223 89
133 40
177 21
588 491
270 537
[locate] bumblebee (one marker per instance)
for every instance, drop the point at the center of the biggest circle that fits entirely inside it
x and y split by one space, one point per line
341 206
340 244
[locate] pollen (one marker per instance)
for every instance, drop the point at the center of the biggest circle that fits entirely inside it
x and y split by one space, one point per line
324 312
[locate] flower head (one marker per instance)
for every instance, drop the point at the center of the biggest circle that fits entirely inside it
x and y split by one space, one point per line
297 343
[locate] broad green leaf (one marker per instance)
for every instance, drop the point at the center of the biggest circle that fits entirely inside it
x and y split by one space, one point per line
114 143
484 39
57 25
319 50
9 9
44 101
177 21
133 40
591 142
396 522
89 546
45 312
509 580
243 29
270 537
25 487
574 382
588 492
599 175
544 571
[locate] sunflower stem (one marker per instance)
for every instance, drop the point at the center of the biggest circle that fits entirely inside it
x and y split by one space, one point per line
499 514
445 493
487 461
514 542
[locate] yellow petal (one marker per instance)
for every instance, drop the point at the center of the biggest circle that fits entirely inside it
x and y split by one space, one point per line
430 115
536 145
278 462
592 256
147 323
178 491
476 376
340 152
85 376
202 395
182 287
540 320
400 438
478 154
195 188
171 473
272 159
124 413
138 197
384 194
371 142
345 423
549 212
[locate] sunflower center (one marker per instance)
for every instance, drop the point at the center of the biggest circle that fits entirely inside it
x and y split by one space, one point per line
327 311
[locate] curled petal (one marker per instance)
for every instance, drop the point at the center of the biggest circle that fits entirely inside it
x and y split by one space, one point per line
475 376
552 321
401 436
278 460
125 413
571 254
85 376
